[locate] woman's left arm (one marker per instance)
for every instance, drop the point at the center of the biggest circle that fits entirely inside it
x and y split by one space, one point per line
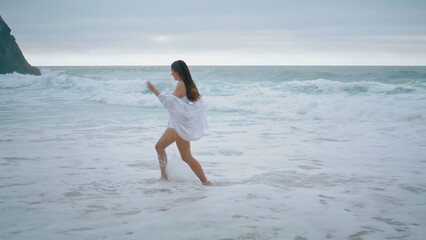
180 90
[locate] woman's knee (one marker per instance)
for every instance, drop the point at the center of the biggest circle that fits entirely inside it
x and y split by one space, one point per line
187 158
159 148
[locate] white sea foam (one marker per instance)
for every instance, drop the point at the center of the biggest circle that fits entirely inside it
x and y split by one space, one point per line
289 154
311 99
325 100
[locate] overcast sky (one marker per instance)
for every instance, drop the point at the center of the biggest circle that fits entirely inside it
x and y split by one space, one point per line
219 32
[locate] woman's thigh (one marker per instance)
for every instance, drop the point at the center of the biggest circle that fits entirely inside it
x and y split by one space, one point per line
166 139
183 146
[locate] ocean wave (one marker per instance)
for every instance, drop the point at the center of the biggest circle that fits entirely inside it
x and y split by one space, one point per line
17 80
322 99
316 99
324 86
304 107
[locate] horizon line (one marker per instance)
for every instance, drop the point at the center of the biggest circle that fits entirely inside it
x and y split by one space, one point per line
234 65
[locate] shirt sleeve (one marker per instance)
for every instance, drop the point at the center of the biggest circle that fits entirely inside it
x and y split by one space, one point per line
168 101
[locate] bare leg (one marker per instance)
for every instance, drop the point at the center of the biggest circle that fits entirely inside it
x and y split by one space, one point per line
185 152
165 140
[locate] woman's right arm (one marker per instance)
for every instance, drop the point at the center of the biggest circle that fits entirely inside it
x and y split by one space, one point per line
152 88
166 100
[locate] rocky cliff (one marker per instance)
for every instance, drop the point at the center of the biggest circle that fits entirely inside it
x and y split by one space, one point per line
11 58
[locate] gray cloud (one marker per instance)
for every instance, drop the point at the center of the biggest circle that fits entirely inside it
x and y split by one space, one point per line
247 27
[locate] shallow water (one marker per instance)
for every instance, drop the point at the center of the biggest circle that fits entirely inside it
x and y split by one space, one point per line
295 153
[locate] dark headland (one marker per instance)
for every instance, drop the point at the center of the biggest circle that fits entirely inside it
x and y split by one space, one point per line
11 57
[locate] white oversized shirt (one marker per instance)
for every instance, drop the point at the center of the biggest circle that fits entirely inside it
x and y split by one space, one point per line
185 117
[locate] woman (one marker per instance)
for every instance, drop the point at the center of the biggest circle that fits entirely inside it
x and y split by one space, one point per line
187 121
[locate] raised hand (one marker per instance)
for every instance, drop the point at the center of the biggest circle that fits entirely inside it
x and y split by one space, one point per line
152 88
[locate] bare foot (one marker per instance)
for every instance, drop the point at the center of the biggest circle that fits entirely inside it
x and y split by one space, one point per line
208 183
163 179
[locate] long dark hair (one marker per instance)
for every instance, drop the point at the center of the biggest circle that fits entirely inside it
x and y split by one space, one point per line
191 90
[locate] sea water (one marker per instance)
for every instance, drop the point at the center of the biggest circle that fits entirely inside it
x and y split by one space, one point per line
294 152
